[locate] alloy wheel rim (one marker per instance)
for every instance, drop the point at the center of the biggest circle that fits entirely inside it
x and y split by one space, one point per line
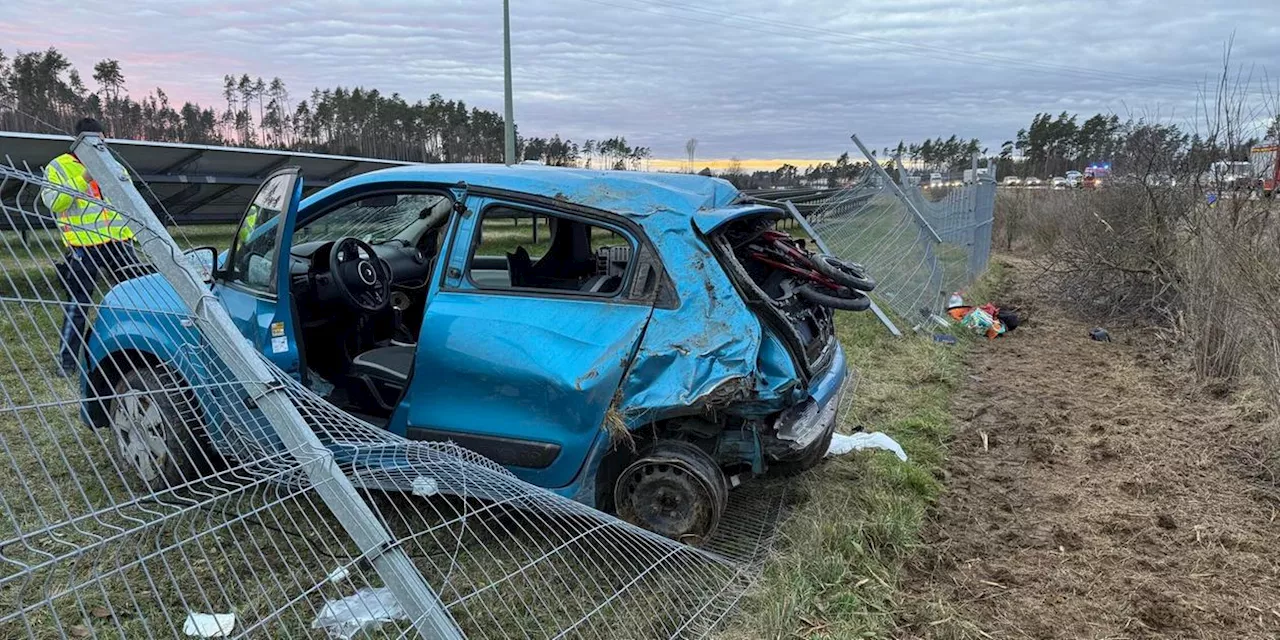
137 423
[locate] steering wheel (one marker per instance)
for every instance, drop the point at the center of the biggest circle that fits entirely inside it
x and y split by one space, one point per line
360 275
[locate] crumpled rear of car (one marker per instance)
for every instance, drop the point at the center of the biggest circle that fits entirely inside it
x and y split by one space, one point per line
730 352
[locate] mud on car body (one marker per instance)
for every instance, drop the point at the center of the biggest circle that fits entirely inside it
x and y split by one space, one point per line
638 342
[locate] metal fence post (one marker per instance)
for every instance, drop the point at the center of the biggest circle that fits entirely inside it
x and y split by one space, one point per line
902 170
393 565
884 175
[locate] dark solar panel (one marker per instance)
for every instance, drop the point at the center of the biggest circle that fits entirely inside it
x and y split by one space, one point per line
196 184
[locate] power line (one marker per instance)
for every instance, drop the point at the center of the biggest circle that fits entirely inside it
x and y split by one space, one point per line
904 48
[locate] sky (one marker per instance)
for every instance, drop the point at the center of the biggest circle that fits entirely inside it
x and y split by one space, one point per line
754 79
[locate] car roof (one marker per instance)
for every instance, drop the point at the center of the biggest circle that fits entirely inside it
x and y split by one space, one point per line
636 194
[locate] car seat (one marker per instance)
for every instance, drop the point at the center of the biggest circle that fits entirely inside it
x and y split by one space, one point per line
381 375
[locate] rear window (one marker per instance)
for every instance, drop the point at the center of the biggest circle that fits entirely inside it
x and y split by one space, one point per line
518 249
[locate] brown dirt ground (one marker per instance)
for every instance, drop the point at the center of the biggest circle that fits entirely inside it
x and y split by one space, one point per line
1107 501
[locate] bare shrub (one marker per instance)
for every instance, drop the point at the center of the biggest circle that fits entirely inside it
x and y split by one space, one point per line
1209 322
1029 222
1115 252
1170 241
1231 317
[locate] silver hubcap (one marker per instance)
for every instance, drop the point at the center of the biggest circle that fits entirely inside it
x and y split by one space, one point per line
137 423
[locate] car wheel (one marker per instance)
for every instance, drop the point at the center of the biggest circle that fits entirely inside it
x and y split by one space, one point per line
845 299
847 273
675 490
154 425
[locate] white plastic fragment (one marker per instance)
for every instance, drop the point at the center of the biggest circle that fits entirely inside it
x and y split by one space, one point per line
338 575
424 486
209 625
842 444
368 608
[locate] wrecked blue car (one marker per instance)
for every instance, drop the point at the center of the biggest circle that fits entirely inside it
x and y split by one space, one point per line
635 341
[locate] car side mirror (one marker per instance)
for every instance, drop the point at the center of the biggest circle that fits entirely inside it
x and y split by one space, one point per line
204 260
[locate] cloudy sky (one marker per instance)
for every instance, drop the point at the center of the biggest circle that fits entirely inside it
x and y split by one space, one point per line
748 78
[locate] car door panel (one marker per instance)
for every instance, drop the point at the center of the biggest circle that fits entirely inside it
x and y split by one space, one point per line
263 314
526 378
506 368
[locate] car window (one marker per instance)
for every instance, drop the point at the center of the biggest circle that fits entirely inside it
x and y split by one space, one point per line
377 218
254 249
516 249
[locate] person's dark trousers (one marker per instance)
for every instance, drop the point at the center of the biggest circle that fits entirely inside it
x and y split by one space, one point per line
79 274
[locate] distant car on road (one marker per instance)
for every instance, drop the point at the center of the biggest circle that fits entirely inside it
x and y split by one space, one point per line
1011 181
1032 181
1074 178
1059 182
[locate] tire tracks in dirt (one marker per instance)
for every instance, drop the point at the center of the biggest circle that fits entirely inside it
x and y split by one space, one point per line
1090 496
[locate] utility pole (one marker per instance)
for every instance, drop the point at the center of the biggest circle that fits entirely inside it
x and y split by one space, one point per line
508 116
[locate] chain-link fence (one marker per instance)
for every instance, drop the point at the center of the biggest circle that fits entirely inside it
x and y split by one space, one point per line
920 248
212 495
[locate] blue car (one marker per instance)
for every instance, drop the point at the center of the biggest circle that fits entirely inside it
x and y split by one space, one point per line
619 338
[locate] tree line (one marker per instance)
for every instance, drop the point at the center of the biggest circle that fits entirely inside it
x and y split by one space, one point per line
42 92
823 174
1052 145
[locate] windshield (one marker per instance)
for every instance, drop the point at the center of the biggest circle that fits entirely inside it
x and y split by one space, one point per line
373 219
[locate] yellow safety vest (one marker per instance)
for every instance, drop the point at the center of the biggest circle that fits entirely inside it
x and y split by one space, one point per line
83 223
250 223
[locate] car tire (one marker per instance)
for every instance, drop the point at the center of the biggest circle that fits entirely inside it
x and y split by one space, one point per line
673 489
154 427
858 301
847 273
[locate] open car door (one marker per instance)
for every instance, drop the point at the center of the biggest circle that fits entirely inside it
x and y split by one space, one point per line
528 337
253 282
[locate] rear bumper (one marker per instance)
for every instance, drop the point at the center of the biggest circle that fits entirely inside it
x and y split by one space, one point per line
808 425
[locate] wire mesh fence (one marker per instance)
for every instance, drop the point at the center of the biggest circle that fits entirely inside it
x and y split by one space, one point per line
918 248
210 494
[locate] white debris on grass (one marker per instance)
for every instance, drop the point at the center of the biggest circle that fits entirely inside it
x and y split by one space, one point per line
209 625
842 444
338 575
368 608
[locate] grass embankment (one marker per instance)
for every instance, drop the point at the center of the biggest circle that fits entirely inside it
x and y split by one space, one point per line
841 554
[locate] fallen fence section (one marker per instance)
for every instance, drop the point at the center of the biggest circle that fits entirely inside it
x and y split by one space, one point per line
210 494
918 250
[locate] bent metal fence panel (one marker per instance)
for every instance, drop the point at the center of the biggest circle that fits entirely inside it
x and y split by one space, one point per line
286 517
918 250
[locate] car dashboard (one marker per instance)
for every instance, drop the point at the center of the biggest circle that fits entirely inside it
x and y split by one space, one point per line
410 266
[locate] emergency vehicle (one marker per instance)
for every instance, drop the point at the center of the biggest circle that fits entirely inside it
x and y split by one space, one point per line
1266 165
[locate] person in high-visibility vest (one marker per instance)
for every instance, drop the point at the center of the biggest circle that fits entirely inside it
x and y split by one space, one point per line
97 239
250 223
